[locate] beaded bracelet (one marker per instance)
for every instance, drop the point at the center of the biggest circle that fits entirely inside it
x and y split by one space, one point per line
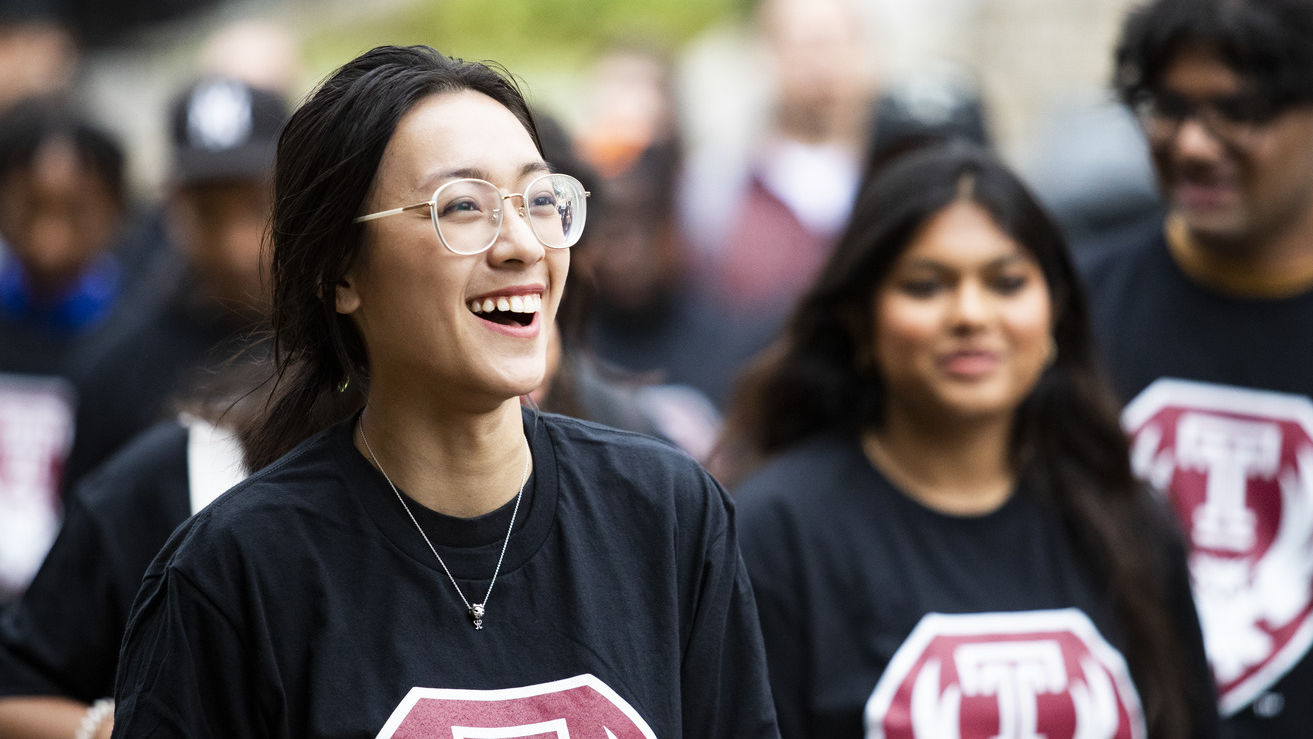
102 709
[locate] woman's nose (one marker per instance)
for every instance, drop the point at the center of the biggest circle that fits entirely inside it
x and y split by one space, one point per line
516 240
970 304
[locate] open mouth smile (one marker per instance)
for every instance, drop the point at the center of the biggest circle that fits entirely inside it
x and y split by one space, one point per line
508 310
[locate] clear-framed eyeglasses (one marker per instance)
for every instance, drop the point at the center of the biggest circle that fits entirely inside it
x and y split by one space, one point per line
1236 120
467 213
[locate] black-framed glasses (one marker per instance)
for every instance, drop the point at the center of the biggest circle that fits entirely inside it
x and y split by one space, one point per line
1231 119
467 213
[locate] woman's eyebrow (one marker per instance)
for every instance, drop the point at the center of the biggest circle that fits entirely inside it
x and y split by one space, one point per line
432 181
534 168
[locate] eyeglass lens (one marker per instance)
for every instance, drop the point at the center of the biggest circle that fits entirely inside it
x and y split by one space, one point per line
468 213
1233 118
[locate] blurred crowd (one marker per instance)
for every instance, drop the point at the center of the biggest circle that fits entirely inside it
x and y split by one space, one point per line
697 297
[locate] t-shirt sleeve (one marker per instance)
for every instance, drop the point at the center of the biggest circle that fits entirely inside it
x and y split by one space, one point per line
725 691
773 570
184 669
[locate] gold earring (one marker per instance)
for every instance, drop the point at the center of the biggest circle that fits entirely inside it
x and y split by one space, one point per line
342 386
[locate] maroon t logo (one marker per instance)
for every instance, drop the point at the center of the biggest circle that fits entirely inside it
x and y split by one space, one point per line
580 707
1237 467
1019 675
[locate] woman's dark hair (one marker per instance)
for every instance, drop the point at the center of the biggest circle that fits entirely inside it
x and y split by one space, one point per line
30 124
1266 42
327 158
1067 444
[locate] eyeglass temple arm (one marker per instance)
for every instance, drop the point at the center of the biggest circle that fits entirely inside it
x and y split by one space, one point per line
394 211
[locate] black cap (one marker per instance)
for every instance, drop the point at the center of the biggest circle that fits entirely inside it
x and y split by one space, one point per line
928 108
225 129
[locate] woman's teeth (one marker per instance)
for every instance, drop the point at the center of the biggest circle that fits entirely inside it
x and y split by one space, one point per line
512 304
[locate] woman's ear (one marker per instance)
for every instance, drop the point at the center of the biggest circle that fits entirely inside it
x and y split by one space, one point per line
348 300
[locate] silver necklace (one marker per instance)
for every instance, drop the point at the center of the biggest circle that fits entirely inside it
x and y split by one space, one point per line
476 611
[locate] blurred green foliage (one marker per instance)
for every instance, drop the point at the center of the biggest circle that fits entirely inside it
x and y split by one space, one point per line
543 42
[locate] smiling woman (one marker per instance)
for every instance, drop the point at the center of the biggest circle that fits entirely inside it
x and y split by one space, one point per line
946 506
418 551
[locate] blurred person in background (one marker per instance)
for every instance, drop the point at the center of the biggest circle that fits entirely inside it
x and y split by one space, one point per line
59 644
62 207
38 51
933 105
935 502
649 313
579 382
1207 324
202 314
258 51
647 316
630 107
772 233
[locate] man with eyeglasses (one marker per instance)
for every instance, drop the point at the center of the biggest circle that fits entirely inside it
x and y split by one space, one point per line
1207 328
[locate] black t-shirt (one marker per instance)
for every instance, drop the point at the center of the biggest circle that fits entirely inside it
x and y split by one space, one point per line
1219 393
1152 321
63 637
885 618
305 603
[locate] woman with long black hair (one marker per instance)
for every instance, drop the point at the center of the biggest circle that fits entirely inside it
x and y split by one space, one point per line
418 554
935 499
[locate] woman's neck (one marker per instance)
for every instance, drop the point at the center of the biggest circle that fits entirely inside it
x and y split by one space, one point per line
965 471
459 464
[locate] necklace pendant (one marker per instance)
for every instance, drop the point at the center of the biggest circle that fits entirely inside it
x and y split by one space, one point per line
476 615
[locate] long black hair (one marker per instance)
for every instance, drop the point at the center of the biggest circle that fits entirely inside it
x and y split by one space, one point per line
327 158
1067 443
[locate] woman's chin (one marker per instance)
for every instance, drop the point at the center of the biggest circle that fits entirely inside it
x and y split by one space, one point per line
521 384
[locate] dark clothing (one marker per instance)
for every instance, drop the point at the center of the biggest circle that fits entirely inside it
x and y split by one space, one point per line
880 613
683 338
1220 412
29 350
126 379
1152 321
37 402
305 603
585 388
63 637
83 305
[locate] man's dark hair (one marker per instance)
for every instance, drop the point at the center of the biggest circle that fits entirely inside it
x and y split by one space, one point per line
1268 43
26 127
